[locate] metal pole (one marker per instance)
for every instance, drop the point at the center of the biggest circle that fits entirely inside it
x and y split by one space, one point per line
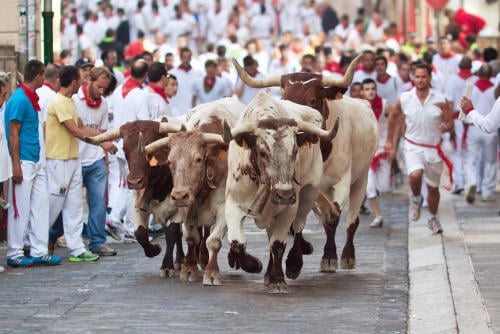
48 38
23 33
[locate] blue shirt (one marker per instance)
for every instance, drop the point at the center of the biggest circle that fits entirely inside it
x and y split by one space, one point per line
19 108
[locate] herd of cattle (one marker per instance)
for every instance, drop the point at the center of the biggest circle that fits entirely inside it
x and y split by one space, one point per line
272 160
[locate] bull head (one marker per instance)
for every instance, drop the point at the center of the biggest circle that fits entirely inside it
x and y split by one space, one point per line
197 161
274 144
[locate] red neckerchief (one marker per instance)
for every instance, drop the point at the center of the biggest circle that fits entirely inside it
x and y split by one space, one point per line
185 68
158 90
447 55
49 85
383 79
208 84
464 74
32 96
483 84
129 85
377 105
90 103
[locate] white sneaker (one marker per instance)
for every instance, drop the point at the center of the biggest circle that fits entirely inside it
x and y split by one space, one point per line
434 225
415 206
2 269
377 222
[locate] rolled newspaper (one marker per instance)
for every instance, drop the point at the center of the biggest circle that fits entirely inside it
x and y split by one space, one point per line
467 93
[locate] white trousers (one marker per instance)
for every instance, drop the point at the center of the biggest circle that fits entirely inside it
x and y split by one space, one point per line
458 155
65 195
481 159
120 197
379 181
31 200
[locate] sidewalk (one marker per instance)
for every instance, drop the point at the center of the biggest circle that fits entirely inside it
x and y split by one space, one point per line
453 278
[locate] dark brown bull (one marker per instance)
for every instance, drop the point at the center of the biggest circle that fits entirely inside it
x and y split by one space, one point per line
347 168
150 186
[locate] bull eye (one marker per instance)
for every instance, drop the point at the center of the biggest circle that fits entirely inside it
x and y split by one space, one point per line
263 154
313 101
198 160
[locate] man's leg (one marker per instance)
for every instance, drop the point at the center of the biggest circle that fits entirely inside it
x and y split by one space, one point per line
95 181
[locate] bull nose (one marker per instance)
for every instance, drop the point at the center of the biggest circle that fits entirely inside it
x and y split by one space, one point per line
181 197
135 183
283 196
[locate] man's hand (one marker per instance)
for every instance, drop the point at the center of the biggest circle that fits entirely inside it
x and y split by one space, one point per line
466 105
389 149
17 173
109 147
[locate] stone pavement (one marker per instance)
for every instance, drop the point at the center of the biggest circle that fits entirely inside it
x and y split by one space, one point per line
406 280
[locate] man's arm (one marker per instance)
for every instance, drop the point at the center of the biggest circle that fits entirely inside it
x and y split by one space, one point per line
393 129
14 130
81 131
447 116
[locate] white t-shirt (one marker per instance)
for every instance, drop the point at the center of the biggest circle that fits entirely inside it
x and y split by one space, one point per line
95 118
157 105
182 102
218 91
455 89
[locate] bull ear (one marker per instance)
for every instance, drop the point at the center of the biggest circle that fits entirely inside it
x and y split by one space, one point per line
246 140
304 139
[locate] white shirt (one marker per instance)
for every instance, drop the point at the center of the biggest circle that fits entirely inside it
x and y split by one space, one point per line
248 92
95 118
6 165
483 101
422 122
455 89
182 102
445 68
388 90
489 123
218 91
157 105
45 95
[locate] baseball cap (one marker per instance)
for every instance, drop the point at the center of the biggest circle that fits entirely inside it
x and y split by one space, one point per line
84 62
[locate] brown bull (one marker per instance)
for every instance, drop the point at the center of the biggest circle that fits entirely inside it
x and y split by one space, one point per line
346 159
150 186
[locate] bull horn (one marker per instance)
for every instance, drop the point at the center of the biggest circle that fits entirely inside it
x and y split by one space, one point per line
243 128
140 143
156 145
171 127
106 136
226 132
346 80
256 83
212 138
315 130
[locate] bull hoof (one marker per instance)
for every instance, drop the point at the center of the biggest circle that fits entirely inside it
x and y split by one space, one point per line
177 266
277 288
238 258
293 268
348 263
169 273
152 250
212 280
251 264
307 247
328 265
188 273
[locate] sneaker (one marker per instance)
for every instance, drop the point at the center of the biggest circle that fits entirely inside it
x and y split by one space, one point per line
113 231
471 195
488 199
156 232
4 204
2 269
47 260
104 251
364 211
21 261
415 205
129 237
377 222
434 225
457 190
84 257
61 242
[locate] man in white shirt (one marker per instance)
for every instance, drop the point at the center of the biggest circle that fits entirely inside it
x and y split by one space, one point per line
211 87
157 97
93 111
186 76
427 115
386 84
445 62
246 93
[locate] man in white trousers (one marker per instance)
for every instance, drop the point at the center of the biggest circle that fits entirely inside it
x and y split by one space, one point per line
28 189
64 173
